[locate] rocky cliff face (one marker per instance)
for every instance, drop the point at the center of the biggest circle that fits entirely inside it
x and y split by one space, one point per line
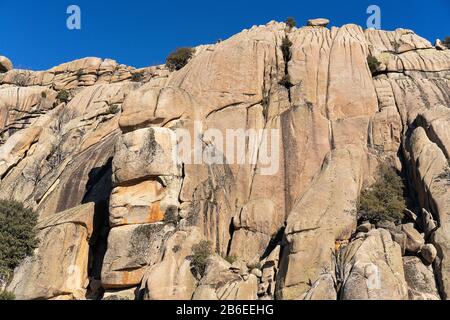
90 145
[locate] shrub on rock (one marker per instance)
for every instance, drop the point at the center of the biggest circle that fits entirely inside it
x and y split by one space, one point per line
63 96
373 63
384 200
178 59
17 233
199 258
5 295
290 22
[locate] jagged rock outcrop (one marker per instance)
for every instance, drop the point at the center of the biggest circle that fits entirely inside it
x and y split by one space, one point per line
172 278
223 281
95 131
420 280
59 267
372 269
5 64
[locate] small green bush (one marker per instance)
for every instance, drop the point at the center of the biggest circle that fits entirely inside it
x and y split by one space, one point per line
63 96
230 259
290 22
384 200
113 109
5 295
178 59
200 255
17 233
373 63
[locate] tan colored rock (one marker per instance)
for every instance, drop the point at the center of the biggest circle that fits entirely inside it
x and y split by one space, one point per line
373 269
59 266
129 294
429 253
132 248
220 283
441 241
19 107
136 204
150 107
414 241
319 22
313 226
144 154
431 181
439 45
5 64
336 124
172 278
16 148
420 280
428 224
435 122
254 229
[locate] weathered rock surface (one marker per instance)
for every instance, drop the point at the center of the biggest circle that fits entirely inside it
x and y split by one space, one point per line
112 141
319 22
172 278
254 229
59 267
222 283
414 240
373 269
420 280
5 64
131 248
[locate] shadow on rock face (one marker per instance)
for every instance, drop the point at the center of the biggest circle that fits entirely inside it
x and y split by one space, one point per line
98 189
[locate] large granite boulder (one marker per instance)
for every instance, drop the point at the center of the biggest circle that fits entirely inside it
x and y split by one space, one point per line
59 267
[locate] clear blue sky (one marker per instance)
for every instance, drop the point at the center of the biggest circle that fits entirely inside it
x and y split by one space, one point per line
139 33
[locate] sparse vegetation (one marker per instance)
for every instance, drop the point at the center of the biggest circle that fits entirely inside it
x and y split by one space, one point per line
309 105
113 109
176 248
373 63
290 22
18 237
384 200
22 78
178 59
43 95
79 74
5 295
63 96
230 259
137 77
55 157
199 258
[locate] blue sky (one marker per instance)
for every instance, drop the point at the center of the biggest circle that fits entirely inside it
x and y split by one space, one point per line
140 33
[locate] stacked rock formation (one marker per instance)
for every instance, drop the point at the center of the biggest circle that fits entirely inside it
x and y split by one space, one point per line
91 145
